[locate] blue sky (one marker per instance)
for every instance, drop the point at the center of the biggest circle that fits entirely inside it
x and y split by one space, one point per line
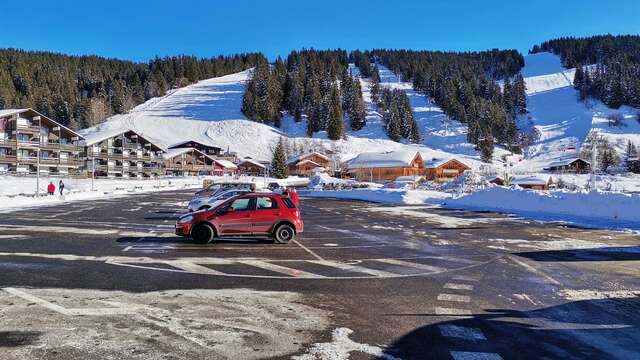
138 30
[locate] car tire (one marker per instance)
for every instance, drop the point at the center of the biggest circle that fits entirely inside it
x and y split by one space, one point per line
283 234
203 234
205 207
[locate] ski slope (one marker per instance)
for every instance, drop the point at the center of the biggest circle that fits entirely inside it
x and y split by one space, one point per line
562 121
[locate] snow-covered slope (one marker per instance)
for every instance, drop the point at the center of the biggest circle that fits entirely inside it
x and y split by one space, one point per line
209 112
562 121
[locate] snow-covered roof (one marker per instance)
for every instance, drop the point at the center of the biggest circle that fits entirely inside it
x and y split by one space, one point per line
182 143
309 162
566 162
226 164
399 158
6 112
250 161
102 135
434 162
171 153
295 159
531 180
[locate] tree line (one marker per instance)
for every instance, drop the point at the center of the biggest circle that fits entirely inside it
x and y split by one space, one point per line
614 74
81 91
310 84
465 86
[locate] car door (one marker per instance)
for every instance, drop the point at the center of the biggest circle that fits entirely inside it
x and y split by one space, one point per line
239 221
266 214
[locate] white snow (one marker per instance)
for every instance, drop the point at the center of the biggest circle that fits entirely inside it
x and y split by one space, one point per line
398 158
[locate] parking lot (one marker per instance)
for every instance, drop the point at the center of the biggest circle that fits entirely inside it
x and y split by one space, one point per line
109 279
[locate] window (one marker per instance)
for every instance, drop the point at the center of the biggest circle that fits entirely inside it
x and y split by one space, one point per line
266 203
289 203
242 204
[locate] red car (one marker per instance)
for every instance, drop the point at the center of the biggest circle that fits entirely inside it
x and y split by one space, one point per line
251 214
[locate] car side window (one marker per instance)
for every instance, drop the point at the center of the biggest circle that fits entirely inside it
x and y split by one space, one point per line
289 203
266 203
243 204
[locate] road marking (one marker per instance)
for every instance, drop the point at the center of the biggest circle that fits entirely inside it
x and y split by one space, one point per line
308 250
534 270
461 332
193 268
280 269
458 286
469 355
411 264
464 278
452 311
454 297
356 268
71 212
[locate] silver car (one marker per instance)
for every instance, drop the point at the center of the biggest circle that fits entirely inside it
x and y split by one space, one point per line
210 202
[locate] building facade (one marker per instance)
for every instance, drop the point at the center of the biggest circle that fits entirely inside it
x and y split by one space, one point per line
382 167
188 161
251 168
443 170
31 142
122 154
303 165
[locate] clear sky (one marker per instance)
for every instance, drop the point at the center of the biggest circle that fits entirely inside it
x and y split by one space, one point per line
139 30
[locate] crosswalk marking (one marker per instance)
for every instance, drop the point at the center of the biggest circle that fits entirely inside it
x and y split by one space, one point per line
455 286
356 268
194 268
411 264
470 355
452 311
461 332
280 269
454 297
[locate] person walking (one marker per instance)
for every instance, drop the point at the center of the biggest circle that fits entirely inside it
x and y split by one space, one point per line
61 187
293 194
51 189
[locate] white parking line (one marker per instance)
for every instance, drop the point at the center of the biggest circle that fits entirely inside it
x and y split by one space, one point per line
411 264
461 332
458 286
307 250
454 297
451 311
193 268
469 355
280 269
356 268
464 278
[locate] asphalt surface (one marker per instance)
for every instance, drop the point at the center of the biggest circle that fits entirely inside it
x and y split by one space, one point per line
108 279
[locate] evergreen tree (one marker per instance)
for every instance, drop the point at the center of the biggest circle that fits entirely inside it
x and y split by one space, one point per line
632 161
279 168
486 148
335 125
357 110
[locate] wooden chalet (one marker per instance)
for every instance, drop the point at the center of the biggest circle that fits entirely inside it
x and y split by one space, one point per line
188 161
224 167
381 167
122 154
31 142
251 167
442 170
303 165
570 166
533 182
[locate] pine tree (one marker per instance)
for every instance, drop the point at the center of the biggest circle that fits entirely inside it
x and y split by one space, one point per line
632 161
607 156
357 111
279 168
335 125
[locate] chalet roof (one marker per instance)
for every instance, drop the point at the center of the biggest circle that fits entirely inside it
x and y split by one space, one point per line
400 158
566 162
309 162
435 162
295 159
531 180
226 164
250 161
171 153
181 144
102 135
6 112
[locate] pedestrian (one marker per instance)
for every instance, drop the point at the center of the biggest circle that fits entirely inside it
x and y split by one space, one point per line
293 194
51 189
61 187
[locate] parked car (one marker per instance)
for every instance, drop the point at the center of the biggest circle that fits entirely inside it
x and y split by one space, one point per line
208 202
251 214
213 188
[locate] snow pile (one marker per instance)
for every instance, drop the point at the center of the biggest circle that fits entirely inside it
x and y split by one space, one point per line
599 209
319 179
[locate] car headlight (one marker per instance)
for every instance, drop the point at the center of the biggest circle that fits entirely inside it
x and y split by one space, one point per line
185 219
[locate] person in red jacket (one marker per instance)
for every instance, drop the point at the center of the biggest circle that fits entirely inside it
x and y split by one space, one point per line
51 189
293 194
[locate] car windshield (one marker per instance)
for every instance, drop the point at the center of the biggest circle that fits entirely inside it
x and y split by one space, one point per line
241 204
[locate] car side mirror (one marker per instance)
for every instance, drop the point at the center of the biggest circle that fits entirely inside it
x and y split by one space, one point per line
230 210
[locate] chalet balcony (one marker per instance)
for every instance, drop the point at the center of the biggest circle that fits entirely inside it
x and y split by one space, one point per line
7 157
8 142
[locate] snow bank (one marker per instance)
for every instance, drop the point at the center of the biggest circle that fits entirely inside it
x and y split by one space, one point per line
593 209
383 196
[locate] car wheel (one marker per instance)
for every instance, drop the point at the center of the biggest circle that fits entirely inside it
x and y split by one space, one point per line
203 234
284 234
205 207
